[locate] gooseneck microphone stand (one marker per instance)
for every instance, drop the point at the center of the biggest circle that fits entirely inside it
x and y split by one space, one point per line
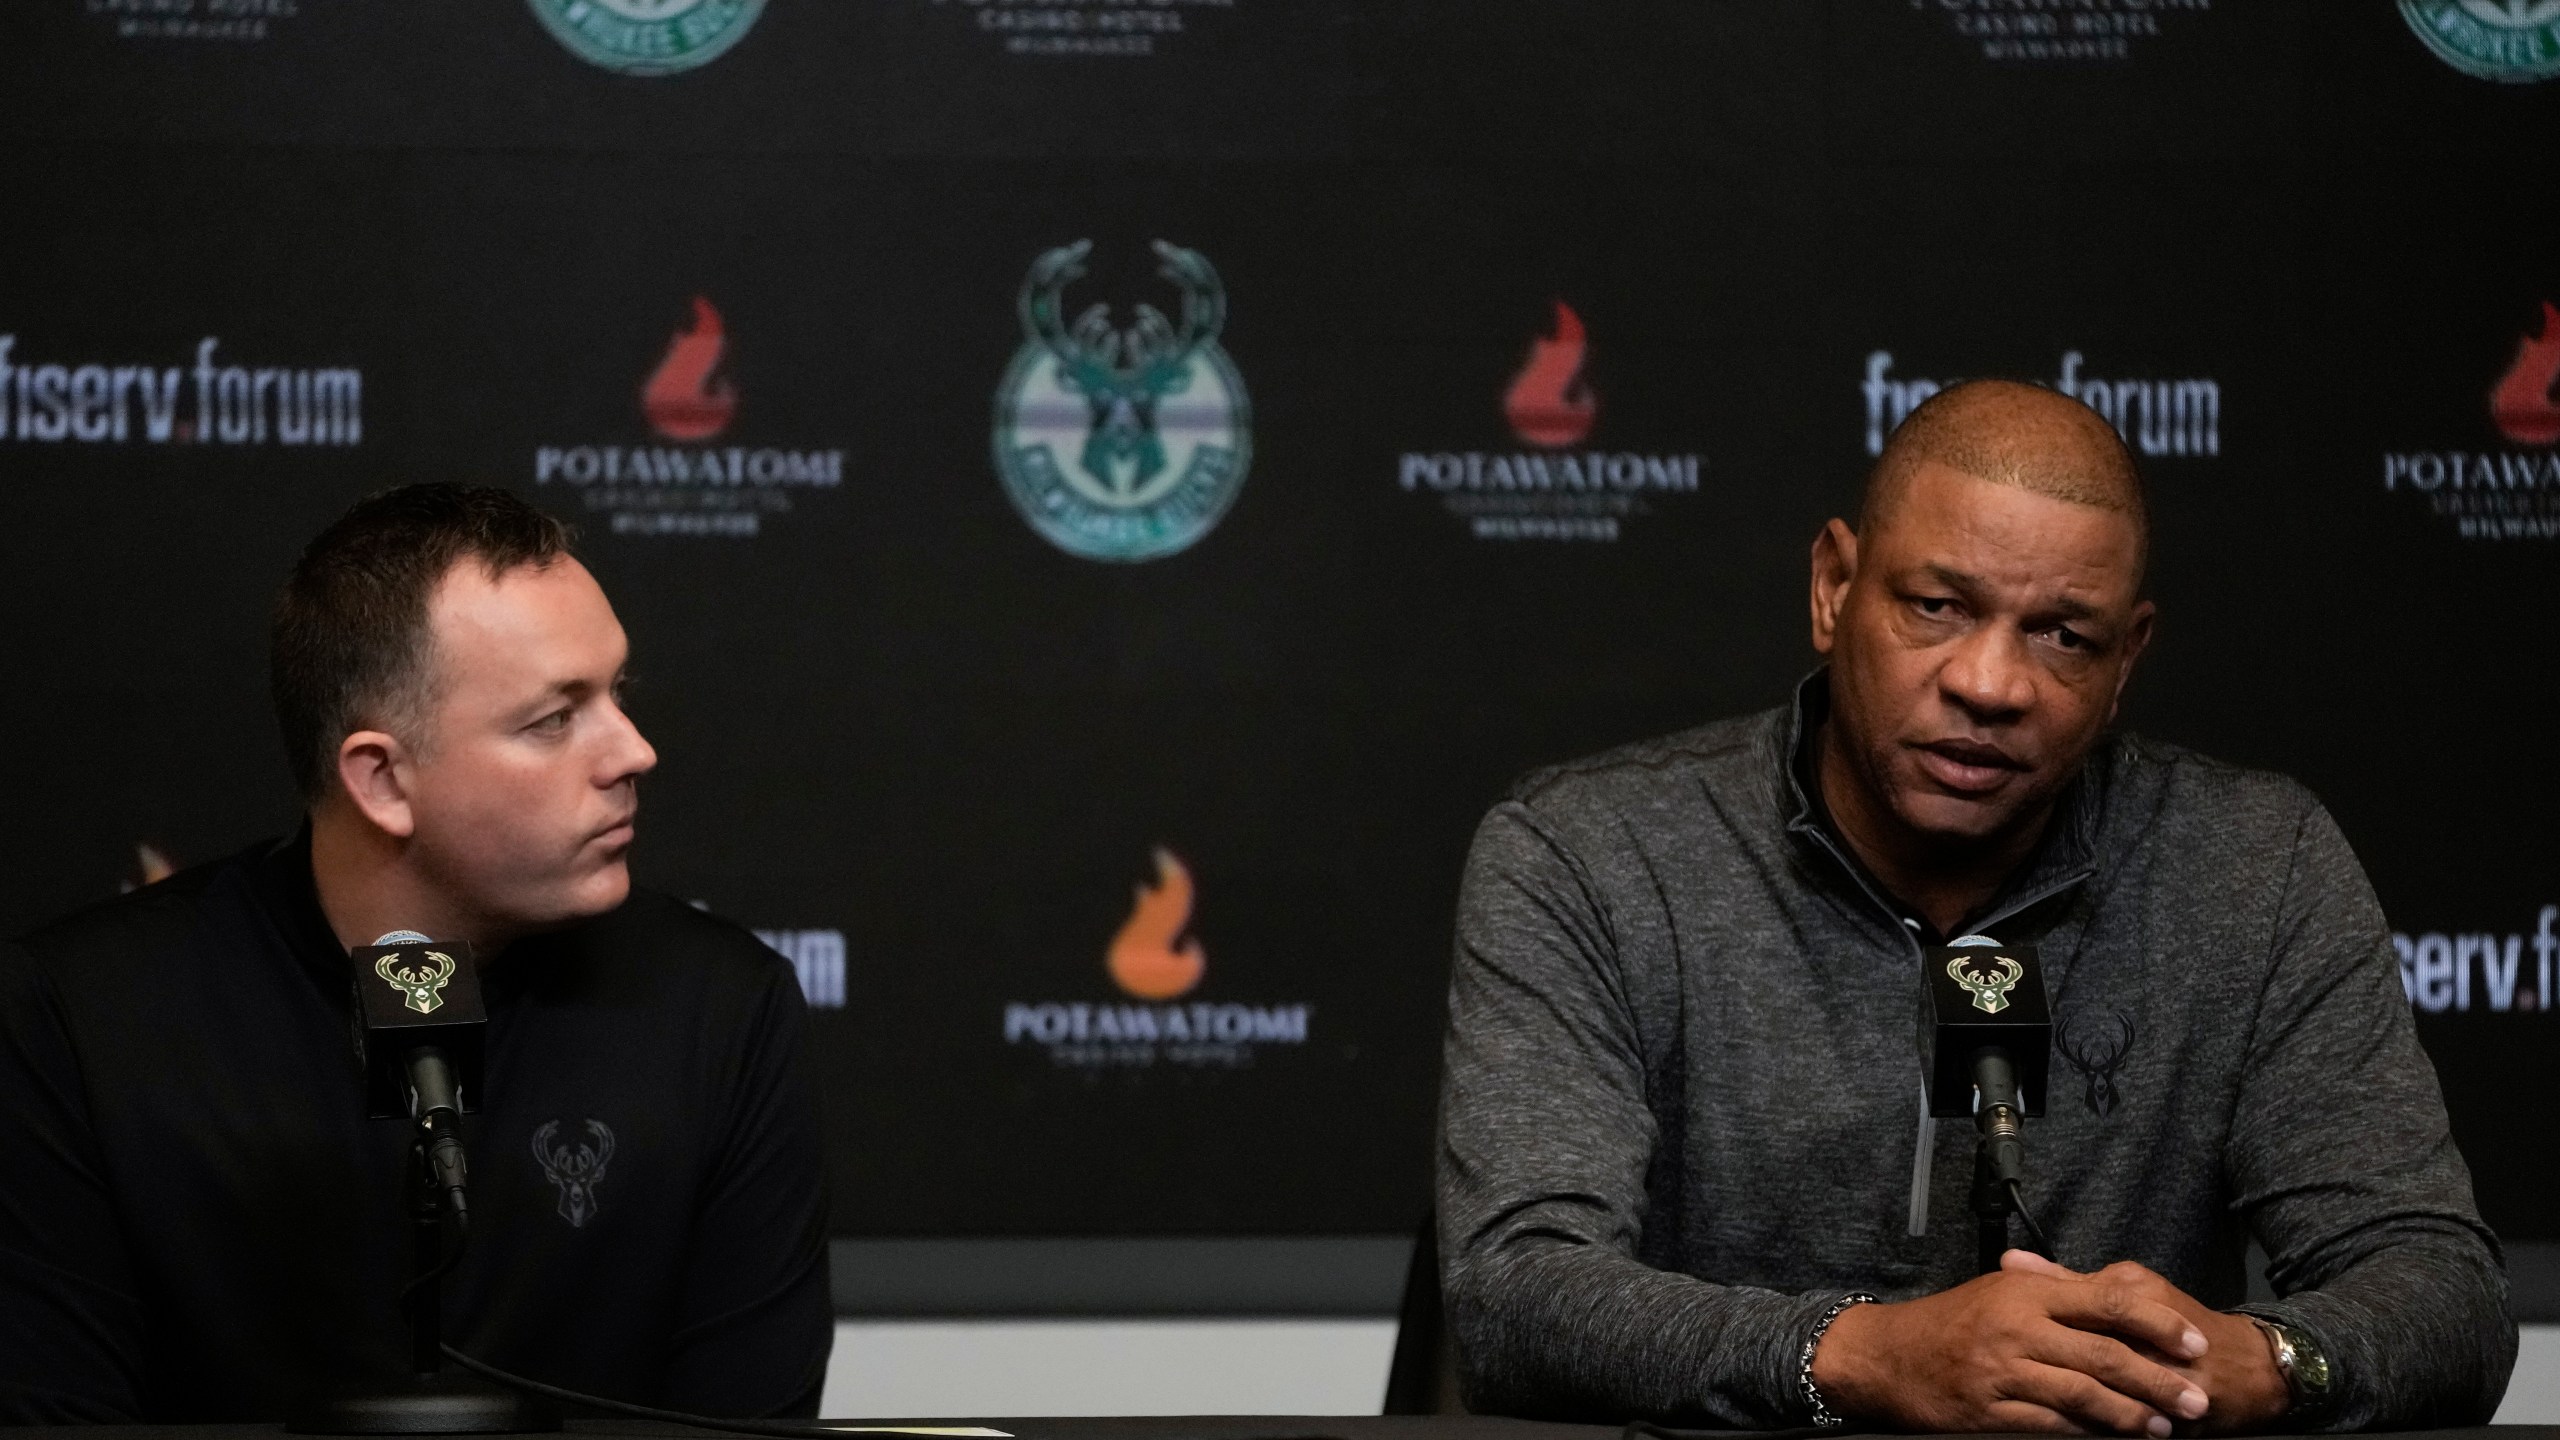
433 1401
419 1030
1999 1161
1986 1050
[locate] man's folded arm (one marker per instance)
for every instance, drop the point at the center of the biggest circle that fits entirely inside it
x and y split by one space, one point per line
757 1319
1545 1141
70 1325
2341 1158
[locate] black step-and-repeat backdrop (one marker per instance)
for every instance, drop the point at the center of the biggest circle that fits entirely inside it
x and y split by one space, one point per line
1105 492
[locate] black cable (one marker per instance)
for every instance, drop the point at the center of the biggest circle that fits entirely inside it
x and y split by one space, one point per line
514 1381
595 1402
2035 1232
705 1422
409 1292
408 1297
487 1371
462 1242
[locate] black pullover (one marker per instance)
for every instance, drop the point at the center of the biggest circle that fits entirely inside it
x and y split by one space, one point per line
199 1223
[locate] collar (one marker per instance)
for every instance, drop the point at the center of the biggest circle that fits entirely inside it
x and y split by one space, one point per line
2062 859
280 877
280 874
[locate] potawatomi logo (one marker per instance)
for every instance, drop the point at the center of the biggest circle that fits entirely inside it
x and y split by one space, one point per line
681 398
2079 32
1122 443
690 487
1111 30
1155 959
1549 404
2512 40
210 21
1554 491
2504 493
1151 958
2522 402
648 37
151 865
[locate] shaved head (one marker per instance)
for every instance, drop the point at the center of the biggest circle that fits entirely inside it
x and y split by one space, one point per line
1981 622
2014 434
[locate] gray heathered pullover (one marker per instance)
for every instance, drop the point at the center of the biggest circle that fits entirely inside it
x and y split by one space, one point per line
1681 1114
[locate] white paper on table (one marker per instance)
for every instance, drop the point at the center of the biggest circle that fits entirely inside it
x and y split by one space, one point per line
951 1431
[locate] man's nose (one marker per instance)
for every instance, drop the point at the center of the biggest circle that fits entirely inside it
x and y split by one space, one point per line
1990 675
629 755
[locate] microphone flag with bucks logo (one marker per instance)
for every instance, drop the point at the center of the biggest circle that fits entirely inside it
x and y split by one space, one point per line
1977 995
408 994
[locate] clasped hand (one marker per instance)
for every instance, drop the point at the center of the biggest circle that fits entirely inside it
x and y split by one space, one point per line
2035 1346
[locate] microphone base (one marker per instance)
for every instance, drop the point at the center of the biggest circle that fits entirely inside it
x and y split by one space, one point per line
441 1404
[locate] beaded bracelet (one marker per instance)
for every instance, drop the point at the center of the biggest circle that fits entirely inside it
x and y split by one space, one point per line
1822 1415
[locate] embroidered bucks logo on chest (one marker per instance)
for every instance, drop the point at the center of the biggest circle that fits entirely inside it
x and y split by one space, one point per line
2095 1039
421 986
574 1169
1990 992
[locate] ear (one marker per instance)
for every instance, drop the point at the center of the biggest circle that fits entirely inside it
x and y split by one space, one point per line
2137 638
1835 564
376 770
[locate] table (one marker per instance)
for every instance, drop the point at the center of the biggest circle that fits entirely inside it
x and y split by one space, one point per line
1148 1427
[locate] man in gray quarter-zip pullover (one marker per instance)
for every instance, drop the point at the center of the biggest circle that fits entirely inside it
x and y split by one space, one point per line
1682 1115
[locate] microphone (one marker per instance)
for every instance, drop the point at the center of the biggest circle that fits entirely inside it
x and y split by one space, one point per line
419 1023
1986 1045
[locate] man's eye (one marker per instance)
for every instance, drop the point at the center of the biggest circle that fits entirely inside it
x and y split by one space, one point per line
1933 604
2069 639
555 721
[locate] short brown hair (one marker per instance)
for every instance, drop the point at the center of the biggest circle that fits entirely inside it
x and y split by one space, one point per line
349 647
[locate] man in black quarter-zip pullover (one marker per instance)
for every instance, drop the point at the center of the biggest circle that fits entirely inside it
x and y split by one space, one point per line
198 1223
1685 1172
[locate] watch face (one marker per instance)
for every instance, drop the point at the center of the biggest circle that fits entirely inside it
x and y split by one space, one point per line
2307 1373
2310 1367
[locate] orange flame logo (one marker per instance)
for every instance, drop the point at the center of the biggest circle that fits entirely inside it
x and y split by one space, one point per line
1547 404
151 865
679 398
1144 959
2522 403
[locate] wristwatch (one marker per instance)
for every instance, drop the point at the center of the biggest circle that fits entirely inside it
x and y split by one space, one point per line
2304 1368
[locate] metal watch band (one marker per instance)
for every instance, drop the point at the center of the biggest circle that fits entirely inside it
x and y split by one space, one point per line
1812 1393
2302 1364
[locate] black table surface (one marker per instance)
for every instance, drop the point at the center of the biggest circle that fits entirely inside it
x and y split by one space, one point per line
1154 1427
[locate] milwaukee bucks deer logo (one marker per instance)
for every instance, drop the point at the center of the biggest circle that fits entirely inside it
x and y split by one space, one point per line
1122 442
2095 1043
576 1170
1990 992
421 987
